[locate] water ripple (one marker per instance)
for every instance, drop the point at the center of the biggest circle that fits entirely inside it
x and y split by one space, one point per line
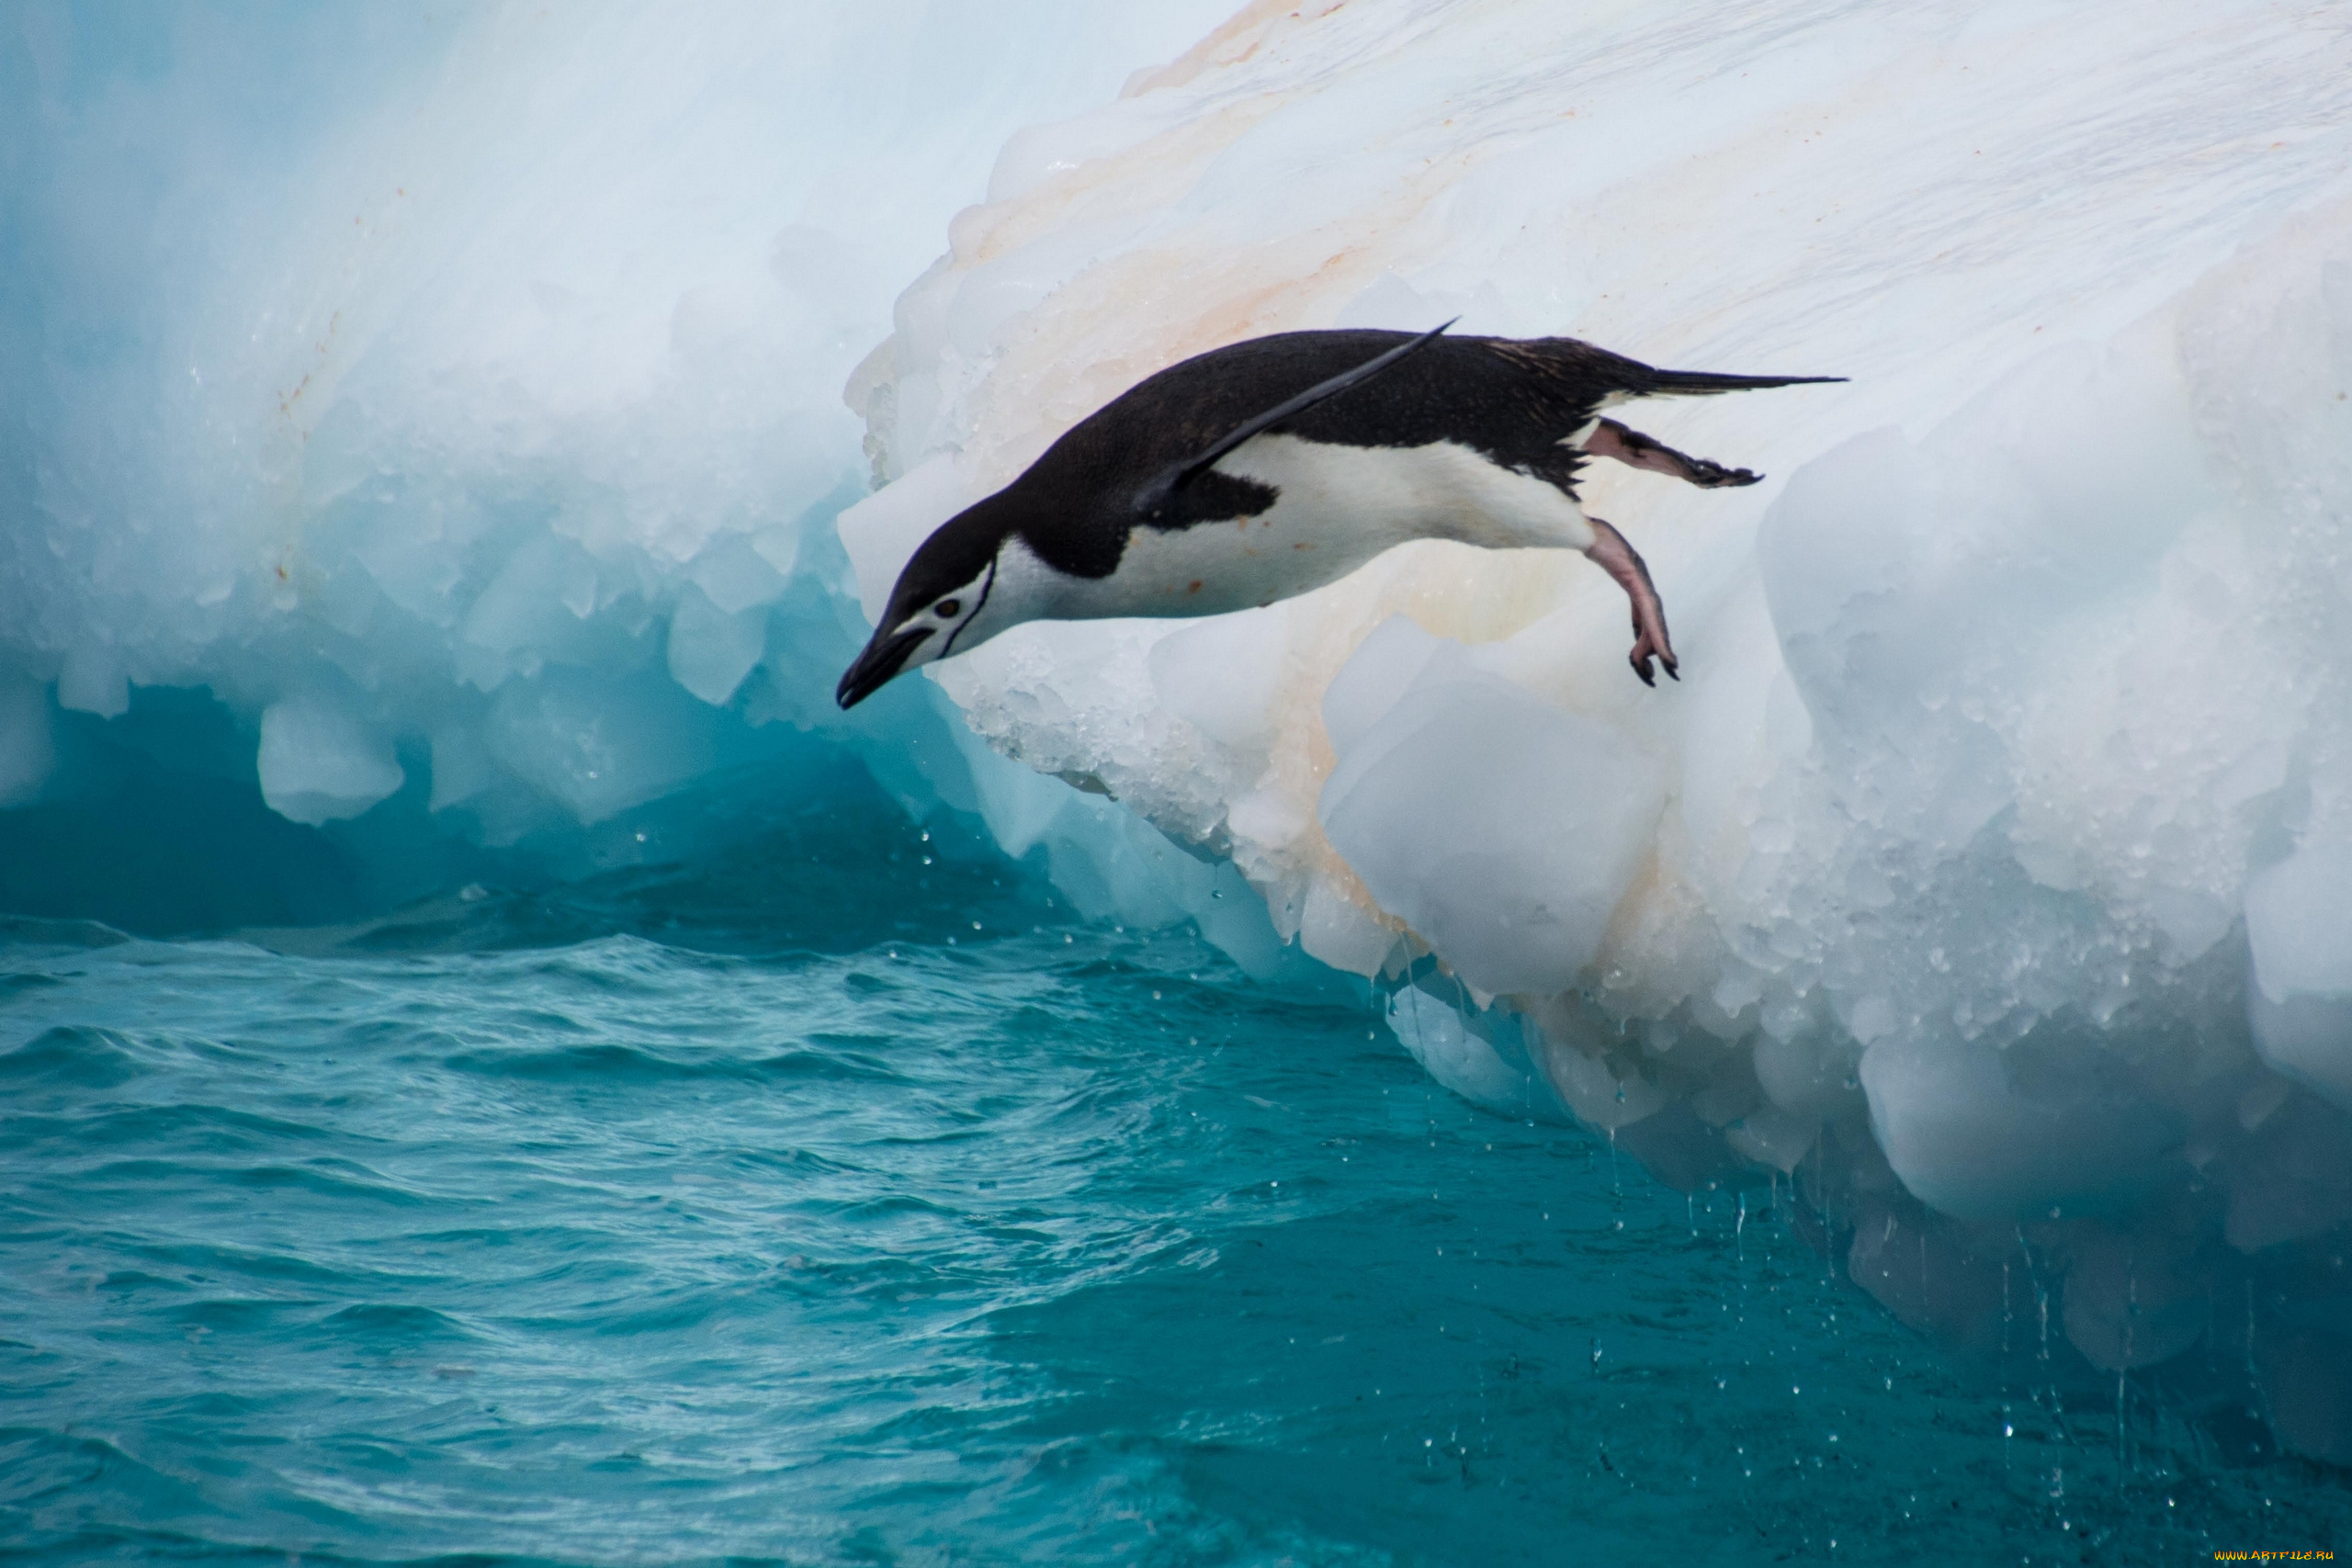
1066 1247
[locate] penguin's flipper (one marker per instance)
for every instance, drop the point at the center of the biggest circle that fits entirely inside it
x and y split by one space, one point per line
1292 407
1630 448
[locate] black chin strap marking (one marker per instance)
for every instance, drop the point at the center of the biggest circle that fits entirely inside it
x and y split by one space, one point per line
949 646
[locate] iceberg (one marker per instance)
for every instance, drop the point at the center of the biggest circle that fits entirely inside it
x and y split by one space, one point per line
1991 870
435 450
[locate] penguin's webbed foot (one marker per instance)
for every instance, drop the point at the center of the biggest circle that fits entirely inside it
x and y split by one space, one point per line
1611 439
1612 554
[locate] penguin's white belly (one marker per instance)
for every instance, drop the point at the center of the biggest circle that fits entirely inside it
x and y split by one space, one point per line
1336 508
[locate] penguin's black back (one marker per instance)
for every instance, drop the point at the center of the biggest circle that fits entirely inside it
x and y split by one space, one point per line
1511 400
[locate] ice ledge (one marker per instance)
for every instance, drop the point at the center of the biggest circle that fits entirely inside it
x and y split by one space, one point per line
1982 870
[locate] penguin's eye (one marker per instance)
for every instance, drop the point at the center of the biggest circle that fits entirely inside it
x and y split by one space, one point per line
947 608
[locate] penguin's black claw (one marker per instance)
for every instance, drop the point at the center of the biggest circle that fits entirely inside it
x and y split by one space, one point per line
1643 651
1714 475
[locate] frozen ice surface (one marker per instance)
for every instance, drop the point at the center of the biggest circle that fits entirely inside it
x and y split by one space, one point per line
1992 866
454 395
318 763
1429 803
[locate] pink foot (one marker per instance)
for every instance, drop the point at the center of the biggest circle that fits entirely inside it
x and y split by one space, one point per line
1610 552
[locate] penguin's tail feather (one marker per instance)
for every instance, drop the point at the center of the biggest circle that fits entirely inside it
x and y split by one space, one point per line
1702 383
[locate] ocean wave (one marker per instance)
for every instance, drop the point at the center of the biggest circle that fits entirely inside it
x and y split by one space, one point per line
615 1066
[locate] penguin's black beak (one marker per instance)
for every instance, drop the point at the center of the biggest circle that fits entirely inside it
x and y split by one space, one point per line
875 668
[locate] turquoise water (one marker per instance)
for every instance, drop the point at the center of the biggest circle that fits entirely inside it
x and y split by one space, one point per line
832 1206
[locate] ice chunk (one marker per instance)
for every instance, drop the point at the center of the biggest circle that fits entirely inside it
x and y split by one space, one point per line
2026 1133
2299 920
883 530
535 603
1348 936
1433 807
92 681
2299 925
1769 1135
1220 675
1482 1059
712 651
741 572
1374 679
319 764
1585 1085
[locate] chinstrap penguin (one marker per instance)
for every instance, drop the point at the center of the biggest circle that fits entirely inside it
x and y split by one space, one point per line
1259 471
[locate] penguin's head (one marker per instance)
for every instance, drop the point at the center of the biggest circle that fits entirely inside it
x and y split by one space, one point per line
948 599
